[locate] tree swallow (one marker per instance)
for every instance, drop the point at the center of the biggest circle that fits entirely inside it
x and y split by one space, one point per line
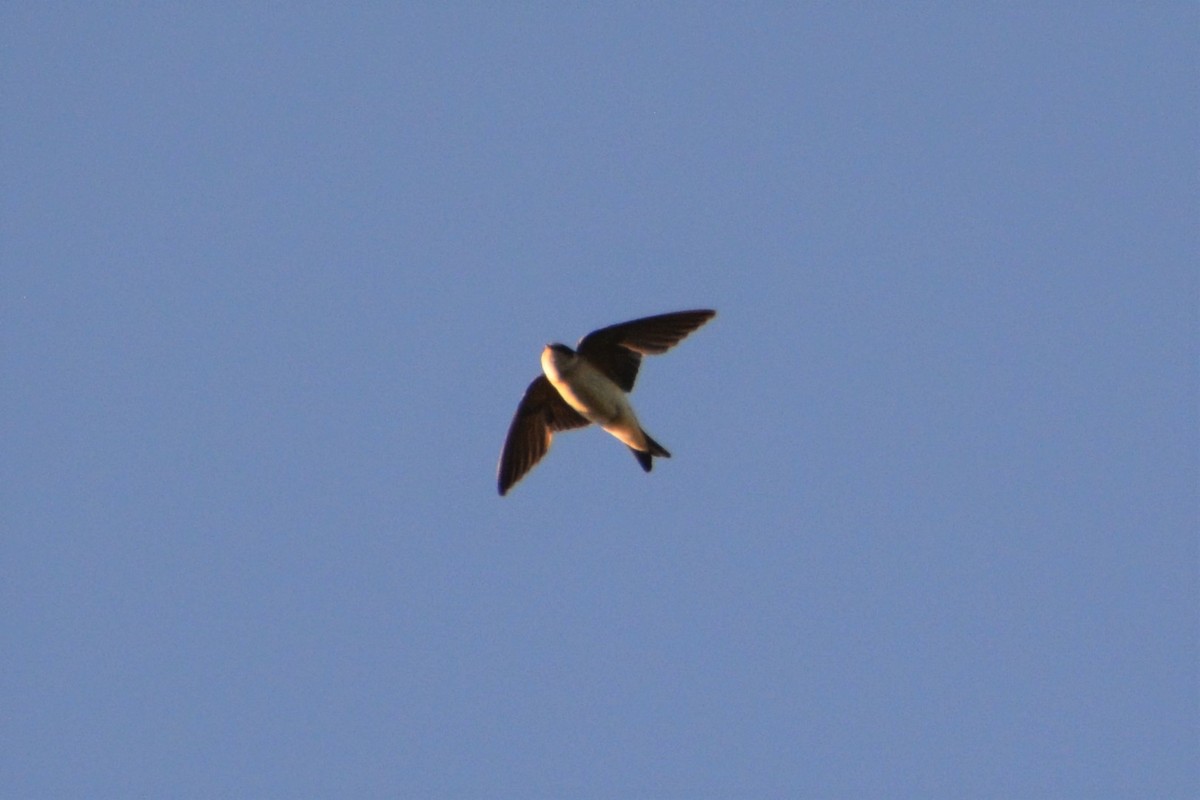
589 384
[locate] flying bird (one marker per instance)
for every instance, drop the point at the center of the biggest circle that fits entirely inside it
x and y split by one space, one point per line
589 384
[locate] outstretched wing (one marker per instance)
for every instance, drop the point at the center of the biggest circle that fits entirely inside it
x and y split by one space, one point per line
618 349
541 413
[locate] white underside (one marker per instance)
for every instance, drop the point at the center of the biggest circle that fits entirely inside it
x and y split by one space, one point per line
596 397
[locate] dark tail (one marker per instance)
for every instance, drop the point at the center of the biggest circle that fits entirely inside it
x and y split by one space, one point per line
646 459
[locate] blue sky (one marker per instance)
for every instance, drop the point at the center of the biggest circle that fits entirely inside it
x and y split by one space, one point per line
276 275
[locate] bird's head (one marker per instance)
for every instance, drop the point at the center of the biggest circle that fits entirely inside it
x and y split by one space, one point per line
556 359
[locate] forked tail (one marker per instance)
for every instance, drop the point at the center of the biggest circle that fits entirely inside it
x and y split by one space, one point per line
646 458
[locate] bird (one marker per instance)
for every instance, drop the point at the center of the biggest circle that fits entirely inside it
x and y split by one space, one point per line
590 385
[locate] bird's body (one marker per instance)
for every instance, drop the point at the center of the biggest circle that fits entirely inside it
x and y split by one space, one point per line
593 394
591 385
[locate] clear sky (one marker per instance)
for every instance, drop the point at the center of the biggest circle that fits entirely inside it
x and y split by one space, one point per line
275 275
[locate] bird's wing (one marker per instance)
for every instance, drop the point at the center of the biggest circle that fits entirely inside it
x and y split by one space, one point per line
618 349
541 413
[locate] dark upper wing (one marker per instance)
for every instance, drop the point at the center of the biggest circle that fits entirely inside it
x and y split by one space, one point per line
617 350
542 411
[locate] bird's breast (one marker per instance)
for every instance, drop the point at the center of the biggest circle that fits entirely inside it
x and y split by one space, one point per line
589 391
